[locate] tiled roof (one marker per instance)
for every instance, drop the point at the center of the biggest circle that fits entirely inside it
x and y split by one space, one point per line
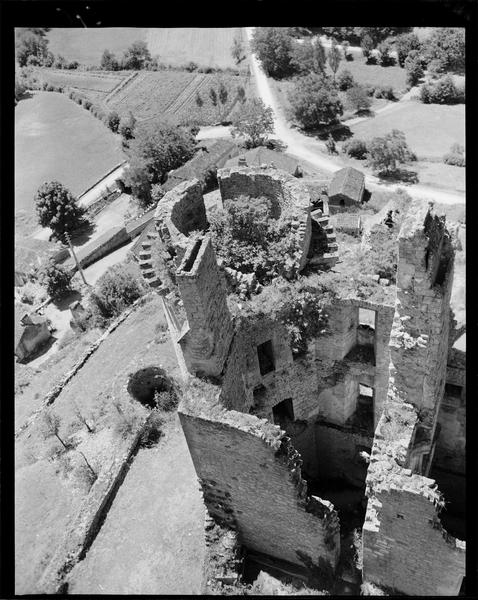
349 182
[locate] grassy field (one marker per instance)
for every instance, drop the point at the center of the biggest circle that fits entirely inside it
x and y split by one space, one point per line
374 74
49 486
207 47
55 139
430 129
87 45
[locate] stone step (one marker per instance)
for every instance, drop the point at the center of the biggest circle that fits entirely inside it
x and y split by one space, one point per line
149 273
145 254
152 235
322 220
331 237
146 265
333 246
154 282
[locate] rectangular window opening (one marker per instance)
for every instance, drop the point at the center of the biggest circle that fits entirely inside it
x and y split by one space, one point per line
452 390
265 355
283 412
188 265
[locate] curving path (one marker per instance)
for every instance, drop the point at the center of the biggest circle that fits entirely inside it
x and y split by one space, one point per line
311 149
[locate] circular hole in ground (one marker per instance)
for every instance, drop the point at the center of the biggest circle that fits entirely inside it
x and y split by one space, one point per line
145 385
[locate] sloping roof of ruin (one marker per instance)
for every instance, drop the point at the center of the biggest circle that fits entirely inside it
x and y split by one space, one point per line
209 155
259 156
349 182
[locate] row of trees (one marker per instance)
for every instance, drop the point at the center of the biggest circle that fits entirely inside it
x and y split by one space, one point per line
135 58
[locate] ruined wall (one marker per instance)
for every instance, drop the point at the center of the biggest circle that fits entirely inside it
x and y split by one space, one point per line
208 333
419 341
179 212
283 190
405 547
251 479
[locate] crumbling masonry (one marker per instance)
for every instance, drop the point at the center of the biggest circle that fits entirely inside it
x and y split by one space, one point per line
256 416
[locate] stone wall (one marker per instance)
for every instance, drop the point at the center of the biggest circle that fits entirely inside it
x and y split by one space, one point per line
105 244
283 190
180 212
405 547
251 480
207 336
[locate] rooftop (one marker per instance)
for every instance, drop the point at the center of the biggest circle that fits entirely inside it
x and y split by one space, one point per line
349 182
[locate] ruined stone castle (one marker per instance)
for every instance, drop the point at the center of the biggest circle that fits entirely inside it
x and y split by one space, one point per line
377 402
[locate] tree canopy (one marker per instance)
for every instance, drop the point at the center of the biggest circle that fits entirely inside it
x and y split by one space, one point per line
447 45
136 56
315 101
31 47
386 153
308 57
57 208
273 46
254 120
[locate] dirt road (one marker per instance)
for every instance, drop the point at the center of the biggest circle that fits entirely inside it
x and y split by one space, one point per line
312 150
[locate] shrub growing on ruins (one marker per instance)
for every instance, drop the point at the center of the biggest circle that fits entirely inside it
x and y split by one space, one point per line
117 288
254 121
315 101
57 208
57 280
248 240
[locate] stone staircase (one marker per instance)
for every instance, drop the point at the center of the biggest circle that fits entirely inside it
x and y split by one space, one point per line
331 255
145 260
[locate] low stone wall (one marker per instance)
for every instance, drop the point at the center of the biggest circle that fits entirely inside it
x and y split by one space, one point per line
53 394
105 244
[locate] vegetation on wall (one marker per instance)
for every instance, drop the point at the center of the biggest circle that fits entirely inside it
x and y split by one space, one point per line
248 240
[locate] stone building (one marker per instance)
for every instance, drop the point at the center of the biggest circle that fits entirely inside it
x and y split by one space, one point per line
31 332
346 188
368 408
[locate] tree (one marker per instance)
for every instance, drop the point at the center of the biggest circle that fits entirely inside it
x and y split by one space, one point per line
213 96
57 208
404 43
255 121
315 101
199 100
109 61
330 145
241 94
113 121
136 56
126 126
385 58
358 99
443 91
345 80
56 279
60 62
118 287
387 152
273 46
157 192
334 57
367 45
413 66
223 95
156 149
308 57
30 45
446 44
51 427
237 49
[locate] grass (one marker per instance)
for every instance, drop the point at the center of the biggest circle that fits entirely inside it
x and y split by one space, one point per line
55 139
209 47
87 45
206 46
430 129
374 74
49 492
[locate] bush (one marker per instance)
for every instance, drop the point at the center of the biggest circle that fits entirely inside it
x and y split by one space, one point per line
384 91
87 104
117 288
386 59
358 99
404 44
356 148
113 121
166 400
191 66
455 156
57 280
345 80
443 91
